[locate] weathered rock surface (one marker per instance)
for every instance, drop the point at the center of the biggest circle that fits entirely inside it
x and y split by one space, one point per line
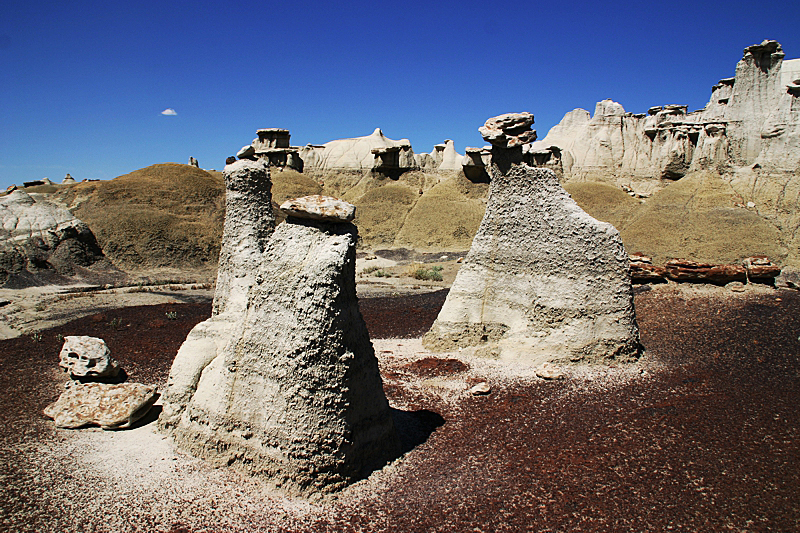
87 357
543 281
761 269
357 153
318 207
693 271
249 222
108 406
509 130
283 383
37 237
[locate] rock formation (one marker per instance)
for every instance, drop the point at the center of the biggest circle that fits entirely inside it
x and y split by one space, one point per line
543 281
87 357
39 239
193 162
282 380
752 118
375 151
108 406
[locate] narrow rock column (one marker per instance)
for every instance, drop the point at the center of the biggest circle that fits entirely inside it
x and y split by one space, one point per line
543 281
249 222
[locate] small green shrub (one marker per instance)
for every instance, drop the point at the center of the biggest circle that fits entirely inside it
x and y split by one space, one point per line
59 337
36 337
383 274
171 315
428 274
370 270
114 324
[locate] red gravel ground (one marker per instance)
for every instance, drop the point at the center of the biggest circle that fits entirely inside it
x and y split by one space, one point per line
708 443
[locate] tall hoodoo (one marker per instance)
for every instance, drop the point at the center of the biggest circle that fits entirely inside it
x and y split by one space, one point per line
543 281
285 382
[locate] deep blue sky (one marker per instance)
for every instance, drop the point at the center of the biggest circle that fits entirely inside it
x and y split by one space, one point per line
83 84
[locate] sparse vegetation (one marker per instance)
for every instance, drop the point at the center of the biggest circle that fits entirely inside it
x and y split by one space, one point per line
433 273
171 315
383 274
41 306
59 338
36 337
114 323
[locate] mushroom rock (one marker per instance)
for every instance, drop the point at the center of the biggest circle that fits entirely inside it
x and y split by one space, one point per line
301 400
543 281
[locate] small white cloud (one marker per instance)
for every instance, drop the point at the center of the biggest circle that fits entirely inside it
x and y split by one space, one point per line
169 111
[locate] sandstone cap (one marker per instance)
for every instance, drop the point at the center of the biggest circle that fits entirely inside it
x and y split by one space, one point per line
318 207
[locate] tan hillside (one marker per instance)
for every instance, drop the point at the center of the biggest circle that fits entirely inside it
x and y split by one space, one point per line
164 215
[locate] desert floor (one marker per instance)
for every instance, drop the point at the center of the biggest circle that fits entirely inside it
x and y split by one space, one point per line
703 434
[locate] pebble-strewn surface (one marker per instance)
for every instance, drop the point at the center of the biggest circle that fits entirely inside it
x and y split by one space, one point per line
702 435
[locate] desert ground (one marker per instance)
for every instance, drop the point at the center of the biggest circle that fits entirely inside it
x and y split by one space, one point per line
700 435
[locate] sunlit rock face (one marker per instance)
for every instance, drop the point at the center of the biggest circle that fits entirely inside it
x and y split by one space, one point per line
751 118
543 281
283 381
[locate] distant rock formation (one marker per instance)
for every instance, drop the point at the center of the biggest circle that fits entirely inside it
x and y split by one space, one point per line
68 180
301 400
443 157
750 119
375 151
543 281
193 162
38 238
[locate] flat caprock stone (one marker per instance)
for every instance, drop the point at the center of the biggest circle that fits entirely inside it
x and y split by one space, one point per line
318 207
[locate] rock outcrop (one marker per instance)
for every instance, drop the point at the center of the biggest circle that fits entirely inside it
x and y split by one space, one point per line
39 239
752 118
99 404
282 381
543 281
375 151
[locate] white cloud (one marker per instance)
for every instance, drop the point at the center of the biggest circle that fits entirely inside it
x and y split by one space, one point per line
169 111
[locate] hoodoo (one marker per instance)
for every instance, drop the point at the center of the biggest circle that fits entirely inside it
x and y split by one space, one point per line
543 281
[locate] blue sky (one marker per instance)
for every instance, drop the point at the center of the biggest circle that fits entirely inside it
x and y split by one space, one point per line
83 84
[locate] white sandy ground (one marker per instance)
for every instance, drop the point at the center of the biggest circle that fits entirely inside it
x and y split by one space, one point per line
138 473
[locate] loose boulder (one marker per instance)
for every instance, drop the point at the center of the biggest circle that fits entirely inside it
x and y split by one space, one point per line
543 281
318 207
108 406
87 358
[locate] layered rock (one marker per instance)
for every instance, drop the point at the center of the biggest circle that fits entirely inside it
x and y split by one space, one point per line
37 238
99 404
283 383
543 281
752 118
375 151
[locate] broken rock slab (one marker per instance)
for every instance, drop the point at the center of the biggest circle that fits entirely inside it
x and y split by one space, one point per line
99 404
543 280
509 130
87 357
